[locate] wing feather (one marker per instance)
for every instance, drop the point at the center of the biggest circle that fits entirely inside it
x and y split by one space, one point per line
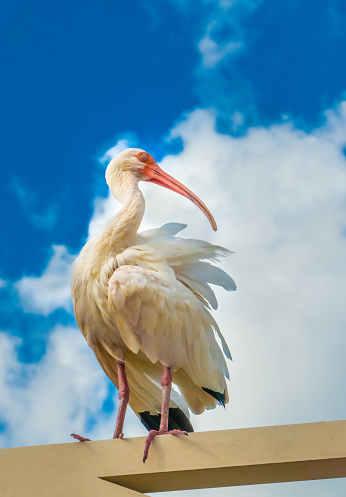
168 229
149 317
181 336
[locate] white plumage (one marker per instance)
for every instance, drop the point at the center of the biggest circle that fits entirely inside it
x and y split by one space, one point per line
145 299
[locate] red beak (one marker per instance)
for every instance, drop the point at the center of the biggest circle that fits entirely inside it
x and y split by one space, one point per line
156 175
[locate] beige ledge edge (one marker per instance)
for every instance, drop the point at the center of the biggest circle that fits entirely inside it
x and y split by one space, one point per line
203 460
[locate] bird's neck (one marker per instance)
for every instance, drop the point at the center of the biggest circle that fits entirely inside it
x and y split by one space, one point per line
122 229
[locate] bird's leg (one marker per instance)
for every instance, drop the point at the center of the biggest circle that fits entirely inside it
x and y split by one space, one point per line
166 383
123 396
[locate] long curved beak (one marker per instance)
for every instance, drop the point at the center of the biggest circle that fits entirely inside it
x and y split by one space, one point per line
156 175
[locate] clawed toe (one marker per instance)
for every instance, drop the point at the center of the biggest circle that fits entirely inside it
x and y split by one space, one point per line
153 434
120 435
81 439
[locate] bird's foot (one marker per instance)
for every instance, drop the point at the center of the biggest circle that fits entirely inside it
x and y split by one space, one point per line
152 435
118 435
81 439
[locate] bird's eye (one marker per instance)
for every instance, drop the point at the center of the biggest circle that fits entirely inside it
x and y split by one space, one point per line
143 157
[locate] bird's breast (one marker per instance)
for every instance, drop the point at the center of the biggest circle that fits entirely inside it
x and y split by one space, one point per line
90 294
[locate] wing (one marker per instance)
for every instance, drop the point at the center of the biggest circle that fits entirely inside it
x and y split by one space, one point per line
188 258
162 317
168 229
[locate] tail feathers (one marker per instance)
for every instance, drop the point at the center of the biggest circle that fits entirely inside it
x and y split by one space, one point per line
145 392
177 420
220 397
197 399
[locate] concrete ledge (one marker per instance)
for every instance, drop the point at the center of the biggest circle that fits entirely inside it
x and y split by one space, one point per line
203 460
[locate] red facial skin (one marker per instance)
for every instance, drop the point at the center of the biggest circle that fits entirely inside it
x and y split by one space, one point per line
154 174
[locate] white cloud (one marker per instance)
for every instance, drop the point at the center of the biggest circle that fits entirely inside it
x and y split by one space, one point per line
45 402
279 197
114 151
63 393
237 120
215 18
213 52
3 283
222 37
225 18
50 291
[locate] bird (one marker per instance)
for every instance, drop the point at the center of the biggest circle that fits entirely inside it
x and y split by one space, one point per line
143 303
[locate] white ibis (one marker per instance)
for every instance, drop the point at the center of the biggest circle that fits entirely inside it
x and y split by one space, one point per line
142 302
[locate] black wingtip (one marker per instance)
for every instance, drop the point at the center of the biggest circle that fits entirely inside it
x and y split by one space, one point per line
177 420
220 397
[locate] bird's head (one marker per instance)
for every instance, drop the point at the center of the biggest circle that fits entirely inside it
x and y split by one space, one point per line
143 166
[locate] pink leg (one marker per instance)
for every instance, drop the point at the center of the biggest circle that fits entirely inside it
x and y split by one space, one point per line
123 396
166 383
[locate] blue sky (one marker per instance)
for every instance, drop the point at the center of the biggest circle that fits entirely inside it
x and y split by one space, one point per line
243 101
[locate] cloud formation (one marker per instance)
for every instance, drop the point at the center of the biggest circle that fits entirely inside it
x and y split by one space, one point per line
278 195
213 52
44 402
50 291
114 151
